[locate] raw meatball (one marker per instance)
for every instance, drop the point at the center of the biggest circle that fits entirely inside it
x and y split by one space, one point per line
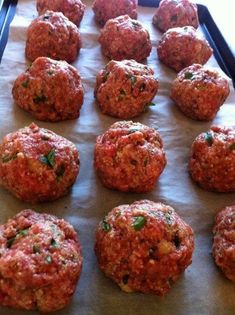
124 89
50 90
40 262
199 92
175 13
37 165
52 35
180 47
105 10
72 9
212 161
124 38
144 246
224 241
129 157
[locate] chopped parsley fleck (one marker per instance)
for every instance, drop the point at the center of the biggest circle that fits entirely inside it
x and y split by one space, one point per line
36 249
105 77
8 158
125 279
46 17
232 146
150 104
48 259
106 226
50 72
49 159
133 80
174 18
54 243
122 95
139 222
168 217
188 75
132 130
39 99
11 240
209 138
25 83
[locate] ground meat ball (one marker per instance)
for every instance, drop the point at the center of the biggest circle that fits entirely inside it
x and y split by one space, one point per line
224 241
180 47
40 262
199 92
72 9
105 10
212 161
50 90
144 246
52 35
125 89
37 165
124 38
175 13
129 157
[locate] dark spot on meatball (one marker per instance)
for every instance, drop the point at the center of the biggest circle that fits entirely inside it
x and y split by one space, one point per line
168 217
11 240
25 83
10 157
48 259
39 99
142 87
54 244
122 95
60 171
36 249
46 17
174 18
133 162
105 77
176 241
125 279
232 146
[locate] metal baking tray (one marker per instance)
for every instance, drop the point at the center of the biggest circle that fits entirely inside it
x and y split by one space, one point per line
222 52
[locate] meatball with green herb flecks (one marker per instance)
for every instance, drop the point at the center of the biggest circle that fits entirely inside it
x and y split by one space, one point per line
199 91
40 262
144 246
52 35
212 159
125 38
72 9
224 241
175 13
180 47
129 157
37 165
50 90
125 89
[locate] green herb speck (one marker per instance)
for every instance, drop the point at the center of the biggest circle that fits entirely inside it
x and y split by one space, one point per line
54 243
209 138
49 159
150 104
36 249
168 217
232 146
133 80
48 259
11 240
188 75
39 99
139 222
25 84
106 226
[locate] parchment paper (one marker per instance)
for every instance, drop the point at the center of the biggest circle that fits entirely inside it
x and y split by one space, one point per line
202 289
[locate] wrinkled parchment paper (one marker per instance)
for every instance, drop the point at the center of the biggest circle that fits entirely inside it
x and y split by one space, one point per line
202 289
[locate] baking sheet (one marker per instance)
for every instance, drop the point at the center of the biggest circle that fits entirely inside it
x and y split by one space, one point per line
202 289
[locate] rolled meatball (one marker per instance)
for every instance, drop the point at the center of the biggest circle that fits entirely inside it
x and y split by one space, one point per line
125 89
129 157
40 262
72 9
212 160
224 241
105 10
125 38
52 35
37 165
144 246
199 91
50 90
175 13
181 47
